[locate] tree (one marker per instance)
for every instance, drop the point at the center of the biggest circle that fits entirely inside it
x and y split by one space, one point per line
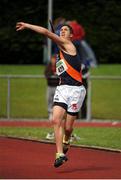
101 20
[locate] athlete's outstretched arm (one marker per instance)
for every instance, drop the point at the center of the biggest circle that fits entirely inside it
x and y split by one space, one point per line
39 29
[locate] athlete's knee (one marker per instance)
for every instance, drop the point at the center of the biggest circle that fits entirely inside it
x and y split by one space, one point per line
56 121
68 131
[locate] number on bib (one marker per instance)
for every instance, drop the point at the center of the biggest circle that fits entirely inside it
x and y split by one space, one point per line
60 67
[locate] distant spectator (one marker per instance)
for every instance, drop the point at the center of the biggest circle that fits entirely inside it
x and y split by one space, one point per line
78 30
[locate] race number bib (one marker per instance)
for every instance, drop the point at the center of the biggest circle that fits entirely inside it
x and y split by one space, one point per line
60 67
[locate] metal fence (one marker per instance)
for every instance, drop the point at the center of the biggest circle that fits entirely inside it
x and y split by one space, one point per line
89 111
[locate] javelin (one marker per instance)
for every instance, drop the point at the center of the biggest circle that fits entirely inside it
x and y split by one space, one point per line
51 25
52 29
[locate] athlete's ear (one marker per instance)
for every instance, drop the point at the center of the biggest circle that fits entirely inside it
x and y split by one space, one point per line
71 35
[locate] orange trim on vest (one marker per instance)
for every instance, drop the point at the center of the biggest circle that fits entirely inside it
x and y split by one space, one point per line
71 71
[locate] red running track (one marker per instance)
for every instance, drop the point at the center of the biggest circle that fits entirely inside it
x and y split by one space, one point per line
47 123
26 159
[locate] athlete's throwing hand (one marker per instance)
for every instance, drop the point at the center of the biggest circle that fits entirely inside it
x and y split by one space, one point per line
20 26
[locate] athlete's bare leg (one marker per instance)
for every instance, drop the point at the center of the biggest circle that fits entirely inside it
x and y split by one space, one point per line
58 114
68 126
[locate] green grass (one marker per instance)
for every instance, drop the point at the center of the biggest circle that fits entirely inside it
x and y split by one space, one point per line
28 96
22 69
103 137
106 94
106 99
89 136
107 69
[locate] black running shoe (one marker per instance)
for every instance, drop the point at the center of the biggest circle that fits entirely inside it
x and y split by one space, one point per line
60 160
65 147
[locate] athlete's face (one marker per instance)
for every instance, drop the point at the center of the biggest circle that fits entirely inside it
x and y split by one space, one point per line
65 32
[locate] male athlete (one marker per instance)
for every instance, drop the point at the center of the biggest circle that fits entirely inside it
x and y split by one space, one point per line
70 93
